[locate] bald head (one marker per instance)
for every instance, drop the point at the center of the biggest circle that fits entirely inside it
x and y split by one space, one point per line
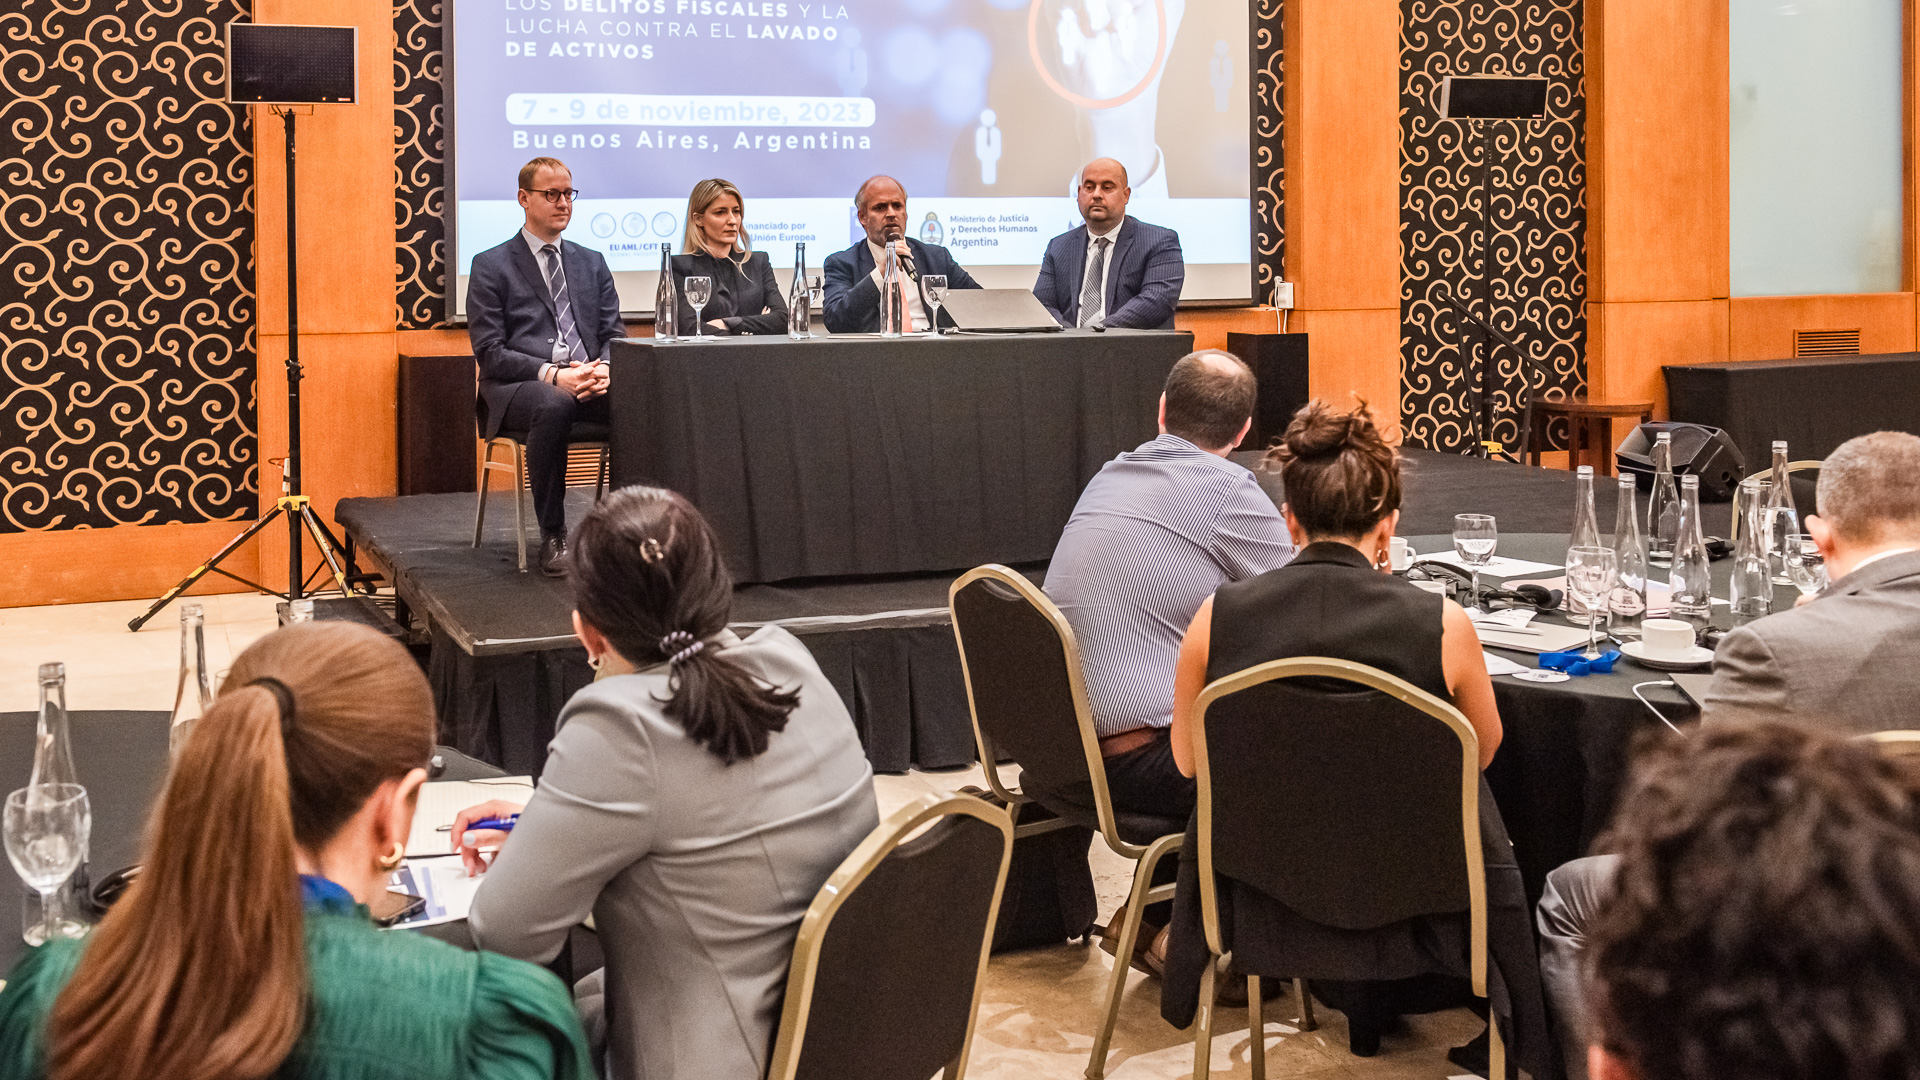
1209 399
1103 193
881 206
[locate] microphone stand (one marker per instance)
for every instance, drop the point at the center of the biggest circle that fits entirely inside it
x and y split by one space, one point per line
1482 399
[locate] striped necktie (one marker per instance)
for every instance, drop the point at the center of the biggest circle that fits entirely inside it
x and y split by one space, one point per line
562 307
1090 291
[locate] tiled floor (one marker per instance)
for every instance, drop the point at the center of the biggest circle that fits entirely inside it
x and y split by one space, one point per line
1039 1010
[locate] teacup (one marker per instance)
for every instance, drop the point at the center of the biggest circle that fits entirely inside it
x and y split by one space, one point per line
1667 639
1398 553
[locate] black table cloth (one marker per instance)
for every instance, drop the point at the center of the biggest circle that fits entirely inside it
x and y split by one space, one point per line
1815 403
862 455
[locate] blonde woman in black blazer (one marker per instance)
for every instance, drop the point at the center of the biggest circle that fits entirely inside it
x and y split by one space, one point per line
746 297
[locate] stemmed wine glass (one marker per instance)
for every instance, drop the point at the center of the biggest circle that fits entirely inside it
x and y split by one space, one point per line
1805 565
1474 540
46 831
1592 573
936 286
699 291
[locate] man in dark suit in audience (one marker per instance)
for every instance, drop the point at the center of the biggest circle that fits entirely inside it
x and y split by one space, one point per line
1845 658
1133 276
853 276
540 313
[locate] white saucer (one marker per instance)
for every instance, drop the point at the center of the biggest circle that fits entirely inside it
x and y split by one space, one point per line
1695 658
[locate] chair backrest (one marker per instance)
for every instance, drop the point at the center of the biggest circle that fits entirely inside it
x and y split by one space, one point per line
887 968
1024 687
1345 793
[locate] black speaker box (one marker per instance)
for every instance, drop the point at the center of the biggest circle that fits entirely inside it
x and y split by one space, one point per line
1703 451
269 64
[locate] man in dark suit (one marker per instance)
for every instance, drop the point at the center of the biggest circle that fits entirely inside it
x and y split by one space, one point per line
540 312
1134 283
853 275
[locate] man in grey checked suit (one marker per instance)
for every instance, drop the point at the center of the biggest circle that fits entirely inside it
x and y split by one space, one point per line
1117 271
540 313
1846 660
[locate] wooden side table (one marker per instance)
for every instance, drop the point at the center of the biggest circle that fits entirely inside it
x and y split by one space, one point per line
1589 429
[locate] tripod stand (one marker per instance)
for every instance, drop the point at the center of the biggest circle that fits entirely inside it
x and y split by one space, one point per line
1482 396
295 506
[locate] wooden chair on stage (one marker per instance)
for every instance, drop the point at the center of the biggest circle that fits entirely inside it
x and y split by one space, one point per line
1589 428
583 436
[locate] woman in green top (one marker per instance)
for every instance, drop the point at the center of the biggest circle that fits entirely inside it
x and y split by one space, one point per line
243 950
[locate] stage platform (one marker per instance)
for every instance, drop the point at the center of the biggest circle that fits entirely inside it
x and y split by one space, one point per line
504 659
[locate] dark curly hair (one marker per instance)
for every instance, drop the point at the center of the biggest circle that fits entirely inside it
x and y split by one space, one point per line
1765 923
1340 473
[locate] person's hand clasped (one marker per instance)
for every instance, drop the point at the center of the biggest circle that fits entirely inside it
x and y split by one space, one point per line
583 380
471 842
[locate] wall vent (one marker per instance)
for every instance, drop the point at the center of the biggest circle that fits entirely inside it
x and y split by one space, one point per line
1826 342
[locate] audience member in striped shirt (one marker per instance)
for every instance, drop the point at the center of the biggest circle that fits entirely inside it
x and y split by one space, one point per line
1155 533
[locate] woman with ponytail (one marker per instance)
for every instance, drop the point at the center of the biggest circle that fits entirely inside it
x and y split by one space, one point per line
243 950
694 799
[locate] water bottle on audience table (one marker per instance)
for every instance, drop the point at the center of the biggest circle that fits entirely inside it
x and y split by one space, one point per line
666 303
1750 588
1689 582
797 313
52 771
1628 604
1663 510
193 693
1475 539
1781 517
1586 526
893 314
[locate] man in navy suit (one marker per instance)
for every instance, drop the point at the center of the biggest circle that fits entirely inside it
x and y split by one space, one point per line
853 275
1135 282
540 312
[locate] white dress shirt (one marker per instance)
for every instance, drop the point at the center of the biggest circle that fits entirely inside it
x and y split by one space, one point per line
1106 261
915 309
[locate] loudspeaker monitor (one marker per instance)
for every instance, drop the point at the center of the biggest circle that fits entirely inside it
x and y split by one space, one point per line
1703 451
270 64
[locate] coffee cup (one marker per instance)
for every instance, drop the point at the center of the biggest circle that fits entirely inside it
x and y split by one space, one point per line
1667 639
1398 553
1436 587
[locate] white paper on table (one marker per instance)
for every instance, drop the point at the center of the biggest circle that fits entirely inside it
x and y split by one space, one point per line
442 801
1513 617
443 882
1539 638
1499 566
1500 665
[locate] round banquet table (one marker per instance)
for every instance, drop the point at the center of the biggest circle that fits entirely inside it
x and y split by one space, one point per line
1564 753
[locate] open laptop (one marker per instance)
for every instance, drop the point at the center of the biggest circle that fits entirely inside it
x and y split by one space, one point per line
999 311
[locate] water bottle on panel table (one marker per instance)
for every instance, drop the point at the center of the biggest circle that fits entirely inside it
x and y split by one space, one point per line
666 302
798 297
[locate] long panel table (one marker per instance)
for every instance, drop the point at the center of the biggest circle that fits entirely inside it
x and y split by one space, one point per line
853 455
1815 403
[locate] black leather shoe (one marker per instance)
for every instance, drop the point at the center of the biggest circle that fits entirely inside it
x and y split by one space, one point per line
553 555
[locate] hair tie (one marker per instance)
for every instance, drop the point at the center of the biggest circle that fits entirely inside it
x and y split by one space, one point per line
680 646
651 551
281 696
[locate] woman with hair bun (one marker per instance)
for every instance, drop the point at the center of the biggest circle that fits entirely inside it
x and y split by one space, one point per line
243 949
694 799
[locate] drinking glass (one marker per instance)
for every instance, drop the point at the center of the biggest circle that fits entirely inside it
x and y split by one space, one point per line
46 829
699 291
936 286
1591 575
1474 540
1805 565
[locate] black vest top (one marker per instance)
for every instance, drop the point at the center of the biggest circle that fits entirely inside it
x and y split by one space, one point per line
1329 601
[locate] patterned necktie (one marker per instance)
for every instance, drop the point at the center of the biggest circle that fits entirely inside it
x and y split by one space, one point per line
1090 291
562 307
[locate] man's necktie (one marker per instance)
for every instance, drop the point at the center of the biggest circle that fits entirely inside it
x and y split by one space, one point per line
906 305
562 307
1090 290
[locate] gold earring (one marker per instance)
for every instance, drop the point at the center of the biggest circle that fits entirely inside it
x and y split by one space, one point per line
390 863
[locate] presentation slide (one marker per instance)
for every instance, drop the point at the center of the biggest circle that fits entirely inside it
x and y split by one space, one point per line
983 109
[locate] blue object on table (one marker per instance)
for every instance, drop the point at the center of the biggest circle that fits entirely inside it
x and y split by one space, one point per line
1575 662
506 824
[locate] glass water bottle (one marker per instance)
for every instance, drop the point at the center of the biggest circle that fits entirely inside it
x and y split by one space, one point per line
1780 518
53 764
1663 510
1628 603
1750 587
666 299
798 313
1586 526
893 312
1689 583
193 693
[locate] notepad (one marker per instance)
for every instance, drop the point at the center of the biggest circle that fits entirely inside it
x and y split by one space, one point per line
440 802
441 881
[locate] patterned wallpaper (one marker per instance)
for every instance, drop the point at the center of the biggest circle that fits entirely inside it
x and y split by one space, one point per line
1537 239
126 318
419 159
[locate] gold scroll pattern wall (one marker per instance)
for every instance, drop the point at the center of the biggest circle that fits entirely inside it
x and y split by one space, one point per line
1535 273
127 310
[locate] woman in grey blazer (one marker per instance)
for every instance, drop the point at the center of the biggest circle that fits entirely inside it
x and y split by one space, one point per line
694 800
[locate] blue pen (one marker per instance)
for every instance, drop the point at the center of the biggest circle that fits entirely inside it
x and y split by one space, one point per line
501 824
